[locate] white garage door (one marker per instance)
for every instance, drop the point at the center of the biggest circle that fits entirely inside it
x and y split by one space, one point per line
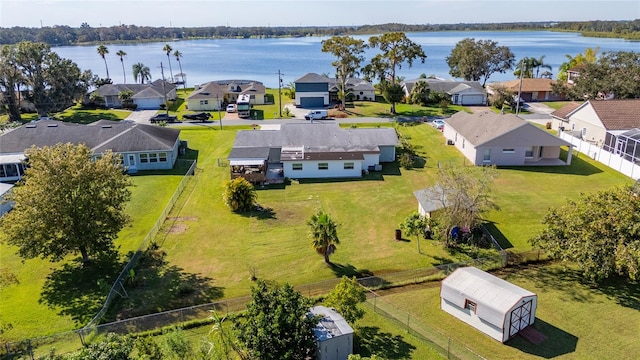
472 99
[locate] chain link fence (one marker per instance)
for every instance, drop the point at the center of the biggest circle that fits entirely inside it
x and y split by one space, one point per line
445 345
73 340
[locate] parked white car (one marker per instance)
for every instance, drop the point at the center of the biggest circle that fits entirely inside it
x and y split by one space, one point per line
316 115
438 124
231 108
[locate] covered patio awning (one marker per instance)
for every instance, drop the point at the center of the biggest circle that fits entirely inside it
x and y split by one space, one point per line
246 162
12 158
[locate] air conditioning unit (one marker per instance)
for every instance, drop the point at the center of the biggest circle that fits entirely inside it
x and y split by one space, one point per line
450 142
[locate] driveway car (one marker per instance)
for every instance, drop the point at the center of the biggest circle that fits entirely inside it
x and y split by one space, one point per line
231 108
163 117
202 116
438 124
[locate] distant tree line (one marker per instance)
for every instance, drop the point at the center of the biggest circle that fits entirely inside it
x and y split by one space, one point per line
65 35
625 29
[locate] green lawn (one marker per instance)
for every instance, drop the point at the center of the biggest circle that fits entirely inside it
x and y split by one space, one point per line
275 245
556 104
37 307
580 322
215 251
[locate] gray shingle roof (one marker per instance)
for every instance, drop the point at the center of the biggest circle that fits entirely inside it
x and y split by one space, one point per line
100 136
115 89
312 78
221 87
445 86
319 138
488 128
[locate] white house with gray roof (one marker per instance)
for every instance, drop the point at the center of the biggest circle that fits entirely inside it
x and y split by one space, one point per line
215 94
145 96
143 147
334 336
462 92
492 305
487 138
311 151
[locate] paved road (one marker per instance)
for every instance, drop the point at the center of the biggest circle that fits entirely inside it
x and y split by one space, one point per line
539 114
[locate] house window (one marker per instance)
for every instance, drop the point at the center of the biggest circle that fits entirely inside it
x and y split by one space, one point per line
528 153
584 133
323 166
144 158
463 142
204 102
163 156
470 305
153 157
486 156
508 151
297 166
348 166
2 173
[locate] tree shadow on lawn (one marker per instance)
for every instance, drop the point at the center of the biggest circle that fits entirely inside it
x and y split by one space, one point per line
260 213
157 286
558 342
349 271
623 291
369 340
80 291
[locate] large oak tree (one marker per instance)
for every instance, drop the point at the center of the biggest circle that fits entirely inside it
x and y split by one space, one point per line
613 74
67 204
599 231
349 54
54 83
396 48
477 60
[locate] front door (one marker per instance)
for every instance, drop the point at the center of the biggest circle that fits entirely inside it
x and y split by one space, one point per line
132 160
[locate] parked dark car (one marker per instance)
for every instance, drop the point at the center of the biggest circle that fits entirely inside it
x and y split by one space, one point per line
202 116
163 117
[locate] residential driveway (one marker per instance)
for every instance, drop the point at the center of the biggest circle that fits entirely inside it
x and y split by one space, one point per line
538 108
141 116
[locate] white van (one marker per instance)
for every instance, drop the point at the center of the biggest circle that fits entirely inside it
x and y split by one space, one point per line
316 115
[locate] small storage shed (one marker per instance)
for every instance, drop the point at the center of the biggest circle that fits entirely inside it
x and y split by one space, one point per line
333 334
494 306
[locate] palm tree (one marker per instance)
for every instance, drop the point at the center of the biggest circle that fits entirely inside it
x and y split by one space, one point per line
525 66
539 63
122 54
178 55
102 51
168 49
323 234
141 71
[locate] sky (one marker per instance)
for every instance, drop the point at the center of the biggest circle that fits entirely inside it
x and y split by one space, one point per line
241 13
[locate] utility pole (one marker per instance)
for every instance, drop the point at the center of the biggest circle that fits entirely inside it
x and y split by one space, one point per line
280 91
219 115
520 88
164 91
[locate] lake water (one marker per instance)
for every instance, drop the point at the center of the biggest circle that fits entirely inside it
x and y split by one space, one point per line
261 59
